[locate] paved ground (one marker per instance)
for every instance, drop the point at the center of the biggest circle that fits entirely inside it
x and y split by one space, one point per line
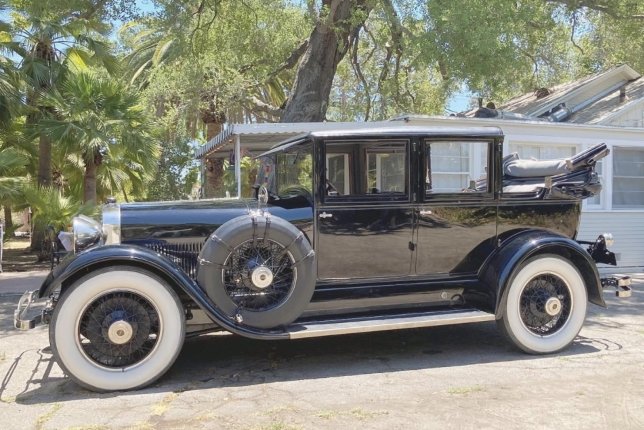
444 377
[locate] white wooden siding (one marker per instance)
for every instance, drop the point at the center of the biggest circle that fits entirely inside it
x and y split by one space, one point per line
627 229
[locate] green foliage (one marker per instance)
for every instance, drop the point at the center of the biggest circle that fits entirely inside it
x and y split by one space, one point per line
177 170
51 207
12 164
248 169
98 123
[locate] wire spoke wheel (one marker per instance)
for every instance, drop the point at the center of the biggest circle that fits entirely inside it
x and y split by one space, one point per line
545 304
259 269
259 275
119 329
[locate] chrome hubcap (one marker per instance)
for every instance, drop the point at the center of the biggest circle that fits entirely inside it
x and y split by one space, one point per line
553 306
262 277
120 332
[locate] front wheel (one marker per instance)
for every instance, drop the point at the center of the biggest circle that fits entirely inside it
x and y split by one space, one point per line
118 328
546 305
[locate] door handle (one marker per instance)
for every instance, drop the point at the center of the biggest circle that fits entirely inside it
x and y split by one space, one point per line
325 215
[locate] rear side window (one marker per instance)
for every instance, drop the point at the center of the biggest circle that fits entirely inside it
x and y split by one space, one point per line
455 167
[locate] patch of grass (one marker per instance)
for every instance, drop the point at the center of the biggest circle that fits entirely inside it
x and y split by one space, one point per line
161 407
280 425
91 427
362 415
142 426
273 412
357 413
327 415
42 420
464 391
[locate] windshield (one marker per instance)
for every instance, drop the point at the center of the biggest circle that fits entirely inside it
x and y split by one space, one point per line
294 170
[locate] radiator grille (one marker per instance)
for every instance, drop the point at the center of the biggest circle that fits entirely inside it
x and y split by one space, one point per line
183 255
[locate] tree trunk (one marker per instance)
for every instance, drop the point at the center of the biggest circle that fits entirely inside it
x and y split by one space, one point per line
8 220
45 53
44 161
328 44
89 181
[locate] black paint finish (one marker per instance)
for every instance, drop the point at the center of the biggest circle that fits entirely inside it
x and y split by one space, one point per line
371 254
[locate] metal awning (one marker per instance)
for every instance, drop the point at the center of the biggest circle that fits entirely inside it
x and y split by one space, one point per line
262 137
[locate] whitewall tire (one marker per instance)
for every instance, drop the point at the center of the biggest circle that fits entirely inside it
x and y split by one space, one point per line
117 328
546 305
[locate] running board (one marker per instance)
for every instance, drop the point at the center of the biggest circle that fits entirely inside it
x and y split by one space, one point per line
388 322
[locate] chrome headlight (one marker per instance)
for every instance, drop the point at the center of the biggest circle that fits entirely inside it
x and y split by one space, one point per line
609 239
112 223
87 232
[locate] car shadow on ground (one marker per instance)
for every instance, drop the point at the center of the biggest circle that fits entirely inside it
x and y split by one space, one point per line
224 361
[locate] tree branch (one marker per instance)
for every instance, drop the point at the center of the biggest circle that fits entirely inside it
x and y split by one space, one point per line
358 71
572 33
598 6
258 105
292 59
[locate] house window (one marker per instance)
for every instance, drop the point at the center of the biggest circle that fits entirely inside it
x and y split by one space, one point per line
596 201
453 165
543 152
338 171
386 171
628 178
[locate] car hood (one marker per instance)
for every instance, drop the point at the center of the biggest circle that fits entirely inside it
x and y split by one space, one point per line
191 220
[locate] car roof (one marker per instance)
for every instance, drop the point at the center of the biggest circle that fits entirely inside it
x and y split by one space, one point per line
388 132
408 130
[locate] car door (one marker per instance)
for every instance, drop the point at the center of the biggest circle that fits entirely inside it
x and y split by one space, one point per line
456 218
364 219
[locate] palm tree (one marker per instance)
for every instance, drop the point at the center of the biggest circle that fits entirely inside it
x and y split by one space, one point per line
101 123
17 164
10 102
49 47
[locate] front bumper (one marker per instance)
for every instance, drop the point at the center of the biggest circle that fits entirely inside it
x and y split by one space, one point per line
30 312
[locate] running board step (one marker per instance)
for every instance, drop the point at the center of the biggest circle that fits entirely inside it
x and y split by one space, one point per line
388 322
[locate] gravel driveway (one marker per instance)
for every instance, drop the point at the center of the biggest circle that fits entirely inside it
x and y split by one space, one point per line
445 377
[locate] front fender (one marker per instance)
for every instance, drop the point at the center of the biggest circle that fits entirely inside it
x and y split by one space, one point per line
74 267
501 266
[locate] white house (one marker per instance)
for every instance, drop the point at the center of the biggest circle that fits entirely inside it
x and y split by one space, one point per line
607 107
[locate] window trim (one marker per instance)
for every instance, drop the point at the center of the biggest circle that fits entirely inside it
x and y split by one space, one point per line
613 152
426 196
350 147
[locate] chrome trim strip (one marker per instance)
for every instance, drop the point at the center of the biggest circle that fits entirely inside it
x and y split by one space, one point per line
111 219
392 322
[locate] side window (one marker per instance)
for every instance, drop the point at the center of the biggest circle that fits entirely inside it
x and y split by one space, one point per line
455 167
367 170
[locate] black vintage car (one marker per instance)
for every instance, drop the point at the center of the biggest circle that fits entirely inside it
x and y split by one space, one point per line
351 231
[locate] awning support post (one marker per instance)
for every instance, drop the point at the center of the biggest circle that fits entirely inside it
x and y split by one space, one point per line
238 164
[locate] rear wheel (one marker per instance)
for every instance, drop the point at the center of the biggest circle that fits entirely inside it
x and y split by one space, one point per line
546 305
117 328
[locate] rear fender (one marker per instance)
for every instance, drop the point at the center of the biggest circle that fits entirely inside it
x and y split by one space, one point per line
74 267
501 267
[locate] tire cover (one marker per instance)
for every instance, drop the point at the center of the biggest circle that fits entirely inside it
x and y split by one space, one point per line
218 247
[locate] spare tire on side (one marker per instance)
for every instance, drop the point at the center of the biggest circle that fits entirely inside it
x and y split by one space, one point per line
259 270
